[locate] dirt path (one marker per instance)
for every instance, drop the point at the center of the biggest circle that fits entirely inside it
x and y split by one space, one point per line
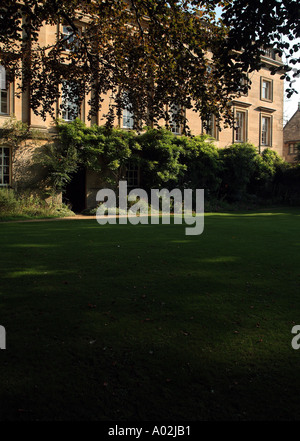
76 217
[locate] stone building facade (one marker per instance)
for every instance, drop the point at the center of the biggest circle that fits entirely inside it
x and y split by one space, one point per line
291 136
258 120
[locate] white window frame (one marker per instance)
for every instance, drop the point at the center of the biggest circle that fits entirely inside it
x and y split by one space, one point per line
5 164
128 119
127 114
240 133
212 128
266 131
4 92
2 77
266 93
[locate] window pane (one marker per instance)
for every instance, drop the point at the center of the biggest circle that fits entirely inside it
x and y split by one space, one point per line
67 32
210 126
69 103
4 166
266 90
240 127
68 37
2 77
174 123
3 101
127 119
127 114
132 175
265 131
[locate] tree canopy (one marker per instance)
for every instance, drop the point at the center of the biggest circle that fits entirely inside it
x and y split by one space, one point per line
147 55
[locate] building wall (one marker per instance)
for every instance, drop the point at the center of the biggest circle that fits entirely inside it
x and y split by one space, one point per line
254 107
291 137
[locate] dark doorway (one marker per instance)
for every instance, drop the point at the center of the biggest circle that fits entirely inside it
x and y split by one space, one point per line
75 192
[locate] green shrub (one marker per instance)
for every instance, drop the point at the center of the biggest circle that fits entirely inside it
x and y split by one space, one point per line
59 162
240 169
98 148
234 174
26 205
287 185
8 202
159 158
269 165
203 166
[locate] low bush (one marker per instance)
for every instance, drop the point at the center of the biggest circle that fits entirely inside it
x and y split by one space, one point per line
28 206
8 201
160 158
202 165
287 185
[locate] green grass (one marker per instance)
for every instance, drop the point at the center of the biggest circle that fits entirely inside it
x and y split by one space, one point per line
138 323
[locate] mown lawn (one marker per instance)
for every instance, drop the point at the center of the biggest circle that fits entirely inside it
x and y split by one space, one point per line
139 323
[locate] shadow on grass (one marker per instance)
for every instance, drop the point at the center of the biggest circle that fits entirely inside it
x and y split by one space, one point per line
143 323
